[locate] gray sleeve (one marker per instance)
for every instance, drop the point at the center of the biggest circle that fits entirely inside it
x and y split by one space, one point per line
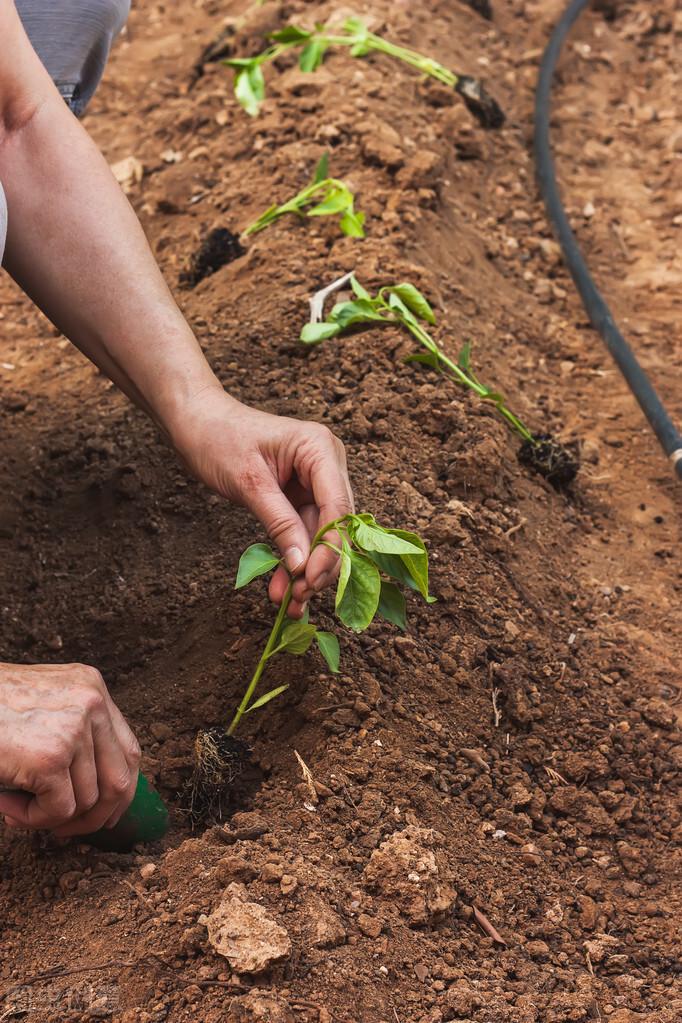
73 39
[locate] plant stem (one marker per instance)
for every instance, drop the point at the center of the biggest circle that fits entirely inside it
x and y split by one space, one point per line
294 205
276 629
461 376
260 667
416 60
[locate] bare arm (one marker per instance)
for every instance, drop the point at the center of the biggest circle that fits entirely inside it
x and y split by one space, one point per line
75 246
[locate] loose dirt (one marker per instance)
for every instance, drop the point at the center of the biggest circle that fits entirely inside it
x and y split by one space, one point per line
495 831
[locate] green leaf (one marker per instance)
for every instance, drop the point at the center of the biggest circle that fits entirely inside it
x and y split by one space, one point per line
239 62
392 605
295 638
348 313
330 650
427 358
360 599
312 55
394 566
354 26
464 358
249 88
416 564
352 224
335 201
396 303
265 698
290 34
358 289
376 538
322 169
415 301
409 569
344 571
256 560
313 333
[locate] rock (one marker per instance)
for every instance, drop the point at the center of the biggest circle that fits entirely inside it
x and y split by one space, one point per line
519 795
381 145
245 934
582 806
461 1001
537 949
326 927
301 83
634 863
531 855
259 1008
589 912
234 868
578 766
147 870
601 946
656 712
421 171
68 881
369 925
160 731
406 870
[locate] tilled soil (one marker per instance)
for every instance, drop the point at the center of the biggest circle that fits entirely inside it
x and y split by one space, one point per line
495 830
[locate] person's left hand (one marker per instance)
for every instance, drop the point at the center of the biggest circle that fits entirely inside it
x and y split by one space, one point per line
291 474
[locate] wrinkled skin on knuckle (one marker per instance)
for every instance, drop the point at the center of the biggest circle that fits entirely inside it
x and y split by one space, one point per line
117 787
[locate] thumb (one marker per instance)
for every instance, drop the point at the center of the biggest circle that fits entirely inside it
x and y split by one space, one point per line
281 520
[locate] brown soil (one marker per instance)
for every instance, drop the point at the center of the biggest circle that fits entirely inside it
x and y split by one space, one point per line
560 820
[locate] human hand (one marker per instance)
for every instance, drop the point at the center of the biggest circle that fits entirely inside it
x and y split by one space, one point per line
291 474
65 744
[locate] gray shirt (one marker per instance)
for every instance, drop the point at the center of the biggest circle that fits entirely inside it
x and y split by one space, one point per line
73 39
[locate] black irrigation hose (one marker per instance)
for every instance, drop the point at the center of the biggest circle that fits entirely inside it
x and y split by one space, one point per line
597 309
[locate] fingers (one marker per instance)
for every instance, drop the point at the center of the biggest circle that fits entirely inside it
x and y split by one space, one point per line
45 809
264 497
333 494
116 781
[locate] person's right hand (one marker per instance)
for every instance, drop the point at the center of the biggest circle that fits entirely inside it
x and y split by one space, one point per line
65 744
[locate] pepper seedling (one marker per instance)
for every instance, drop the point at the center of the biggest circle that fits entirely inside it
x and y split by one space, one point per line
405 306
249 82
375 562
323 197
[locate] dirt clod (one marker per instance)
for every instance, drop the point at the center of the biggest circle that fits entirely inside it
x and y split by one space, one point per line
245 934
219 247
557 462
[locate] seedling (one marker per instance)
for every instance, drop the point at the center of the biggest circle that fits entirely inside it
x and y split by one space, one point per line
249 83
323 197
375 562
405 306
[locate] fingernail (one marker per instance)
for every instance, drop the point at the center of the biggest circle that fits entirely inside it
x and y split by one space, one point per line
293 559
323 579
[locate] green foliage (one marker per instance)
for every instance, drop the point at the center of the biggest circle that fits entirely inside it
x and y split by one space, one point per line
374 560
354 35
256 560
323 197
404 305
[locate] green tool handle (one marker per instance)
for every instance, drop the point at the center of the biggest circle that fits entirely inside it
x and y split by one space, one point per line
145 820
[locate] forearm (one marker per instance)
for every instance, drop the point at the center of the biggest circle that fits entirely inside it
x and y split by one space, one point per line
76 247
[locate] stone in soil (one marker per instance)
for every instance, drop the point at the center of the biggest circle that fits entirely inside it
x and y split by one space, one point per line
245 934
